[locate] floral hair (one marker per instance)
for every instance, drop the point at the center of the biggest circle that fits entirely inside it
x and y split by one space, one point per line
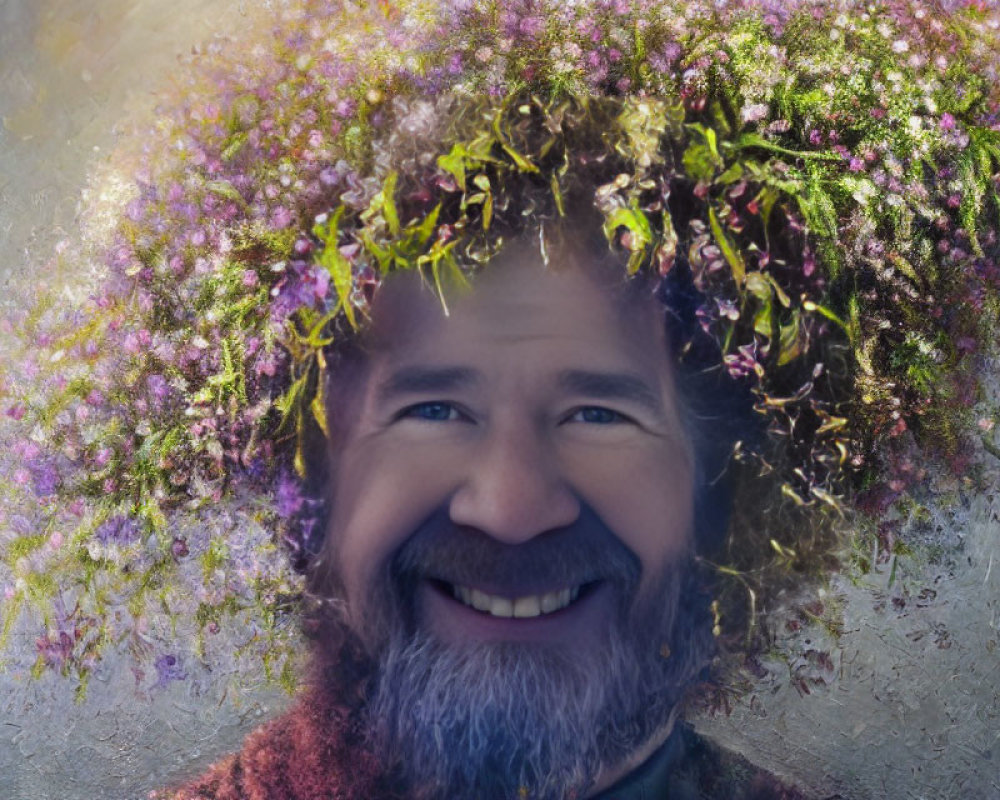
813 187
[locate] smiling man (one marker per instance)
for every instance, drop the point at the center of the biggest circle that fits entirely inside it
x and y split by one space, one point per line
511 524
506 601
525 449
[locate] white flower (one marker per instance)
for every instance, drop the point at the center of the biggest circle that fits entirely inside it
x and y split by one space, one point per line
754 112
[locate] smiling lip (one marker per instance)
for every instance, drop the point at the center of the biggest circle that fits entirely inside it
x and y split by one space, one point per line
575 613
532 605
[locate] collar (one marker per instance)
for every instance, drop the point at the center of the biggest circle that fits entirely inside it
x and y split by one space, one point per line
652 779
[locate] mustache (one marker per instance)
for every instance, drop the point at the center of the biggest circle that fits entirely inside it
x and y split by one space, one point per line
582 552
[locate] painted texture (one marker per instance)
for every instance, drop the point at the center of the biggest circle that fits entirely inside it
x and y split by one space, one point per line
907 706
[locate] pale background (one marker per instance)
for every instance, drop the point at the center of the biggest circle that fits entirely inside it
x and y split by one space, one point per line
908 708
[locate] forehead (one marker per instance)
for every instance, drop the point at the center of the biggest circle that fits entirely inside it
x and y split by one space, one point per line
572 306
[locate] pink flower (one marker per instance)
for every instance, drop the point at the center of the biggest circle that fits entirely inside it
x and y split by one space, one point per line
281 217
947 122
754 112
531 26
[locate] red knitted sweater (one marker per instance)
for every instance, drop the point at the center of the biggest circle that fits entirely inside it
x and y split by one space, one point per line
313 752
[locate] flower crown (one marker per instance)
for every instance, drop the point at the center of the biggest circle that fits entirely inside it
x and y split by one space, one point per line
819 181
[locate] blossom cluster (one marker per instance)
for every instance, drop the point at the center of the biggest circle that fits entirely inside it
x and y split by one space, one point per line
841 161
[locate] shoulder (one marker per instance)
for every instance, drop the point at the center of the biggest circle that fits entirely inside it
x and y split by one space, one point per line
707 771
312 752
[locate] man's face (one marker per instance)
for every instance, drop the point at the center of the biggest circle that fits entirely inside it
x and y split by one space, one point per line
512 482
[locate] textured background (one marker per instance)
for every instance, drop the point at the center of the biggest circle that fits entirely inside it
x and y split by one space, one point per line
907 705
70 72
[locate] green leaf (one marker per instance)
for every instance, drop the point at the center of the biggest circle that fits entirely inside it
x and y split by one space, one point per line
290 399
758 142
318 404
226 190
425 228
520 161
809 305
234 145
454 164
441 254
334 262
733 257
557 195
388 202
701 159
732 174
790 341
906 268
635 221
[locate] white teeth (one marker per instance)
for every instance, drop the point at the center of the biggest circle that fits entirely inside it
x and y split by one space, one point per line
522 607
480 600
527 606
501 607
550 602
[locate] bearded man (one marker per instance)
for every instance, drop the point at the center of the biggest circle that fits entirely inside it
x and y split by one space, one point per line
499 310
507 603
517 299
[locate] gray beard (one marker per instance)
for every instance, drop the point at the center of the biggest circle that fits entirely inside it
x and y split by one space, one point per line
508 721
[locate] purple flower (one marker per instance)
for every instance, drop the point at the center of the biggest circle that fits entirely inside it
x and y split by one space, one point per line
118 529
167 669
345 108
531 26
45 480
22 525
289 496
158 387
179 547
281 217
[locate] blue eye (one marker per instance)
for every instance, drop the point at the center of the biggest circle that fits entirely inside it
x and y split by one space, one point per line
597 415
431 412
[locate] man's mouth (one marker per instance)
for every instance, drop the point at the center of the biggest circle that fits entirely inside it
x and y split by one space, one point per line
532 605
463 613
507 606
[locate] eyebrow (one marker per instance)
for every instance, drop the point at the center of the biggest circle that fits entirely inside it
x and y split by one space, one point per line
597 385
419 380
611 386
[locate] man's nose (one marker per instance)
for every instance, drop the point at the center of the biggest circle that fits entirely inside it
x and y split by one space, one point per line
515 488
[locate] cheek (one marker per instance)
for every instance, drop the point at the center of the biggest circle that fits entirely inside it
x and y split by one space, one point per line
379 496
646 499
